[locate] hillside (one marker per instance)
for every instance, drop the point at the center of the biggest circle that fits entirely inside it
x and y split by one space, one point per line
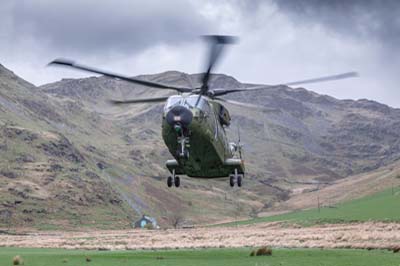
46 178
382 206
308 134
106 163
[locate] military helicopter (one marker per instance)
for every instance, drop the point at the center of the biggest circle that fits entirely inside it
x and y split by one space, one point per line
194 121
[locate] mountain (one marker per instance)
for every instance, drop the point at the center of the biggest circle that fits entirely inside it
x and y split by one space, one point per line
48 179
106 163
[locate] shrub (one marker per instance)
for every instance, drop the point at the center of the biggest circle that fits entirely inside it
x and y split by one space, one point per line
17 260
149 226
88 259
264 251
396 249
253 252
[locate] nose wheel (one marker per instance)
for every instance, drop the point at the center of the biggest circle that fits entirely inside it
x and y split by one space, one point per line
235 178
173 180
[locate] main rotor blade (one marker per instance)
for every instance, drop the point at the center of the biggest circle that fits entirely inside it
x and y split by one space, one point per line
323 79
145 100
219 92
72 64
247 105
217 43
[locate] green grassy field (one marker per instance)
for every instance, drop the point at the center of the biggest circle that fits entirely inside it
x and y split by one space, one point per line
232 257
383 206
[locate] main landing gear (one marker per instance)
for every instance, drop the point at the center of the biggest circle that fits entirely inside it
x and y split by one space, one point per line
235 178
173 180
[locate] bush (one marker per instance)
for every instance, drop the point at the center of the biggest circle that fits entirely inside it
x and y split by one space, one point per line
17 260
149 226
396 249
263 251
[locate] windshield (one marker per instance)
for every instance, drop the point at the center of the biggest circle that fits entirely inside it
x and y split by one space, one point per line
173 100
192 100
189 102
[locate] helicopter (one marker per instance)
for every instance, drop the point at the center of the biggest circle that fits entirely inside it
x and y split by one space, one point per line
194 121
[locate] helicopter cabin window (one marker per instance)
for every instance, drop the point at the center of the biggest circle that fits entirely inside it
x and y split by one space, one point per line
224 117
172 101
202 105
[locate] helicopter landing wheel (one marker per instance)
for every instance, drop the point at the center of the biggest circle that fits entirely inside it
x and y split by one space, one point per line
177 181
239 180
232 180
169 181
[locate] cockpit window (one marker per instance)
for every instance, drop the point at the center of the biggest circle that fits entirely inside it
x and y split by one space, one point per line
173 100
192 100
189 101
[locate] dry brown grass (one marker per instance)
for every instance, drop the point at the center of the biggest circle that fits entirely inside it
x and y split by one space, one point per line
367 235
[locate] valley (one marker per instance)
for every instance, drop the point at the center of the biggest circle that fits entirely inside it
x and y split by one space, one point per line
71 159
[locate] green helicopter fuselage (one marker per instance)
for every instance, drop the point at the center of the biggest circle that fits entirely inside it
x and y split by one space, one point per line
193 129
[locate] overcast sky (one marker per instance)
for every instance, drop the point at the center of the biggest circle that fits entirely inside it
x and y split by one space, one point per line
280 41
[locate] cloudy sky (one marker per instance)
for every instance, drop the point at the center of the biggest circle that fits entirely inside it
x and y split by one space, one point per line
280 40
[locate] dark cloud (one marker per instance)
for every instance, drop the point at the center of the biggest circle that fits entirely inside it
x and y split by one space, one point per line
281 40
87 26
370 20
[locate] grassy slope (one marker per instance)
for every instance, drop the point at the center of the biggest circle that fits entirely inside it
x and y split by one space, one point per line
383 206
298 257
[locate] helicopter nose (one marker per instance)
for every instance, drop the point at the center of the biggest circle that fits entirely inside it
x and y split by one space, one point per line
179 115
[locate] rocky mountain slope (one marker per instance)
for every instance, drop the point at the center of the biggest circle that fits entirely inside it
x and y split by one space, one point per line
47 179
106 163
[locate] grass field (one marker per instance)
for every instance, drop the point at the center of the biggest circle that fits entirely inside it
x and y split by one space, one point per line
232 257
383 206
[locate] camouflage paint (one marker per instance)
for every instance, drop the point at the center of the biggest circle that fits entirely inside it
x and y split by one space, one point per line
209 146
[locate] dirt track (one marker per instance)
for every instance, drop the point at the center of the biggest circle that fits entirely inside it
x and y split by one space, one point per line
360 235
